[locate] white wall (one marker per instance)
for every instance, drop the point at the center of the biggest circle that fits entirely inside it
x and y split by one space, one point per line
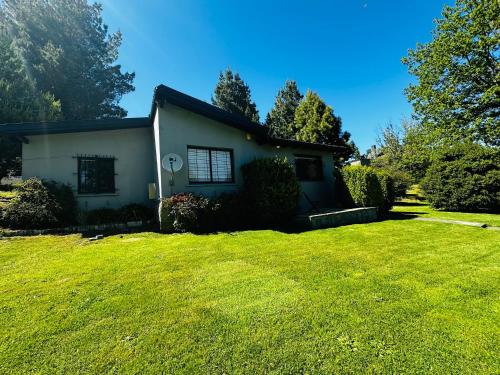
178 128
53 157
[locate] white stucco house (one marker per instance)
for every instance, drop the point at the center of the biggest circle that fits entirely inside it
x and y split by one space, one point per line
114 162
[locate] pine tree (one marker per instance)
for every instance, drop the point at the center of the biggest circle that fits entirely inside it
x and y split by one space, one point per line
315 122
69 53
233 95
20 101
280 119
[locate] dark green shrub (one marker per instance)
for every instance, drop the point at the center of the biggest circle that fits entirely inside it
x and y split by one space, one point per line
363 186
184 212
229 212
136 212
32 207
464 177
66 212
272 190
103 216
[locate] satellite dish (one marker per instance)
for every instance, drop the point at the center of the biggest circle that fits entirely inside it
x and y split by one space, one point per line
172 163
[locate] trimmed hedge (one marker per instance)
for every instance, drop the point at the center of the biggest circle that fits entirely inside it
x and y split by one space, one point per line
272 190
464 177
388 190
360 186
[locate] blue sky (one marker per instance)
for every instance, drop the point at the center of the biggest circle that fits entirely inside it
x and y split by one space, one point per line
348 51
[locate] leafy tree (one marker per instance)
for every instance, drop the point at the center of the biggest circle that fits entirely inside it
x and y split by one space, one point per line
403 151
20 101
233 95
280 119
458 91
70 54
315 122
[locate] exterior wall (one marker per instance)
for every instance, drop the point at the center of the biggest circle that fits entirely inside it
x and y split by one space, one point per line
178 128
53 157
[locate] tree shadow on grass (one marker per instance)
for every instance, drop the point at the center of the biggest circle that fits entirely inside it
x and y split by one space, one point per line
410 204
403 215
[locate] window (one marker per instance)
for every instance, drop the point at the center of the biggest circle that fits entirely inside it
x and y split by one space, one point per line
96 175
308 168
210 165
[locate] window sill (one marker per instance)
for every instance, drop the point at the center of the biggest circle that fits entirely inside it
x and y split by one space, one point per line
83 195
212 184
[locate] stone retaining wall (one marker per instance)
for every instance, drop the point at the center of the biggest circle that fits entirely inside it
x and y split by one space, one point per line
342 217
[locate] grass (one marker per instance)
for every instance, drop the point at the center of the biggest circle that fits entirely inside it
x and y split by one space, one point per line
418 208
415 205
397 296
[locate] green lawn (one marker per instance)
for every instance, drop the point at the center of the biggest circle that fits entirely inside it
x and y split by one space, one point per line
397 296
415 205
416 208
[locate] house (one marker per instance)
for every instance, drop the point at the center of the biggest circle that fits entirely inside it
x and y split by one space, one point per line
114 162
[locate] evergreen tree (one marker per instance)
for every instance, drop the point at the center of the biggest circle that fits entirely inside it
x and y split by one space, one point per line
315 122
280 119
69 53
20 101
233 95
457 95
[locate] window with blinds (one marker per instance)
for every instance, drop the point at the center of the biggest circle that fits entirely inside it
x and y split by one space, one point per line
210 165
96 175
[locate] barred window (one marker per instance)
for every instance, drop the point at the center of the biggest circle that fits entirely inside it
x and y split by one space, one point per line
96 175
309 168
210 165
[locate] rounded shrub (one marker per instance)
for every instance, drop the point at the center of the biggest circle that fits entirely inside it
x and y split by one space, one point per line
32 207
184 212
272 190
465 177
67 210
363 187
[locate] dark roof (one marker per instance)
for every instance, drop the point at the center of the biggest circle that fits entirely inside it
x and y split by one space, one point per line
164 94
72 126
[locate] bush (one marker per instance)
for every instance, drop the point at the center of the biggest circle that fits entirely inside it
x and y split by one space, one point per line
103 216
184 212
363 187
136 212
401 180
66 212
465 177
130 212
230 212
32 207
272 190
